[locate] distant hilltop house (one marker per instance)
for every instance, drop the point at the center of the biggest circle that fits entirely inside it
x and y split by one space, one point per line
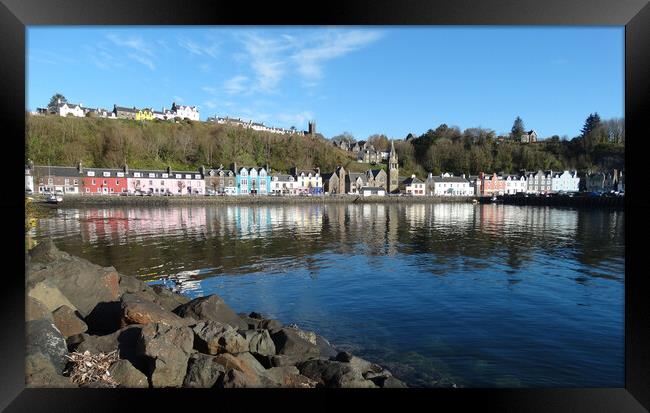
529 137
133 113
176 111
67 108
259 126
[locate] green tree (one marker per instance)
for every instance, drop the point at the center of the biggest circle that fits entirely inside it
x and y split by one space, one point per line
54 101
517 129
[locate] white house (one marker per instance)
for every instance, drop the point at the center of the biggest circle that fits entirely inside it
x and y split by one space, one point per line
515 184
309 181
181 111
448 185
412 186
539 182
282 184
372 190
66 108
565 182
29 179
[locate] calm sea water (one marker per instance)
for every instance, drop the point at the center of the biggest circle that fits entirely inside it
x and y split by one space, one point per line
477 295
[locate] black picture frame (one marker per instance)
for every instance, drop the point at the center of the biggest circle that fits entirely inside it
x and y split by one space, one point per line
15 15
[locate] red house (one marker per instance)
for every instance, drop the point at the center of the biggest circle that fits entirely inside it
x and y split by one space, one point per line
102 181
492 184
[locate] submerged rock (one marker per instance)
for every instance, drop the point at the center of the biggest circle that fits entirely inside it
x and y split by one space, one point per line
289 342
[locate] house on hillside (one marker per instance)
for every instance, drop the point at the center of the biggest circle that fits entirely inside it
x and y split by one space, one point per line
529 137
283 184
69 109
540 182
309 181
492 184
515 184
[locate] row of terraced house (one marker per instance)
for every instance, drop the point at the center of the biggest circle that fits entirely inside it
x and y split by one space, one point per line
255 180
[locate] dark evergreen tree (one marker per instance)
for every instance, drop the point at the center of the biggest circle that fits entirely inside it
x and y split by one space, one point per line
591 123
517 129
54 101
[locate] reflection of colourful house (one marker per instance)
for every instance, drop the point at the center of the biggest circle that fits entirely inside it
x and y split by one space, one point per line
252 181
144 114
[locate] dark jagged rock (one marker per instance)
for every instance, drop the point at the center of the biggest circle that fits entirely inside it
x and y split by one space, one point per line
325 348
83 283
203 371
211 308
68 321
168 349
126 375
289 342
213 338
331 373
270 324
256 316
157 293
137 310
168 299
124 341
40 372
259 342
45 339
105 318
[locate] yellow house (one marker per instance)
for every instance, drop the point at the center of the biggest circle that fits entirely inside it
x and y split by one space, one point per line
144 114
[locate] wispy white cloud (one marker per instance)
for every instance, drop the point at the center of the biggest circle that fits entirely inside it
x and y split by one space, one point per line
210 104
271 58
235 85
311 56
140 51
196 48
49 57
295 119
178 99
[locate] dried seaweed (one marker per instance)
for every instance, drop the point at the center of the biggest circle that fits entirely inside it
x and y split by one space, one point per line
92 368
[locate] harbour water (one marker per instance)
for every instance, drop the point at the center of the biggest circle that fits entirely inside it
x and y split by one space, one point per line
476 295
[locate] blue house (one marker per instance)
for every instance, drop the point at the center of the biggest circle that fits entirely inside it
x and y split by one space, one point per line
252 181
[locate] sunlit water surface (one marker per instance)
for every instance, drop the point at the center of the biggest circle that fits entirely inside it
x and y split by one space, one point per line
477 295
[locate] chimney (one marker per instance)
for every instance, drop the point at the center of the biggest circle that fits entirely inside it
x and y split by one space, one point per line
202 170
169 169
80 167
81 104
126 169
463 176
481 175
412 176
318 170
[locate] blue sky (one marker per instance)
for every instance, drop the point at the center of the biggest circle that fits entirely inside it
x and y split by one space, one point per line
360 79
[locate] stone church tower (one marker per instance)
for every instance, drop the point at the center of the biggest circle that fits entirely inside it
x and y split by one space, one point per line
393 170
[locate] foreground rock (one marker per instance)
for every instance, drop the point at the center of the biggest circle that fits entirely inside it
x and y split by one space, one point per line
168 349
163 339
68 322
211 308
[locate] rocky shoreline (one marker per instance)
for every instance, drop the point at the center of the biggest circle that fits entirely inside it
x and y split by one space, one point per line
112 200
89 326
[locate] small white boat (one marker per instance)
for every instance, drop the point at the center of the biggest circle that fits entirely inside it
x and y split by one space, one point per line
54 199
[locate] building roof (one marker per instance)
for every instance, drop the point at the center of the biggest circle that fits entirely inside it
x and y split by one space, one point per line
56 170
282 177
356 175
372 188
375 172
448 179
412 180
123 109
327 175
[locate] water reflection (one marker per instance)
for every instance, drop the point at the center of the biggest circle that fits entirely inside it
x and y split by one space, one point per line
483 294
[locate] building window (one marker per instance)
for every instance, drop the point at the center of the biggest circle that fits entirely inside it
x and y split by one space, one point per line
105 182
112 190
87 189
93 182
67 181
150 182
117 182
